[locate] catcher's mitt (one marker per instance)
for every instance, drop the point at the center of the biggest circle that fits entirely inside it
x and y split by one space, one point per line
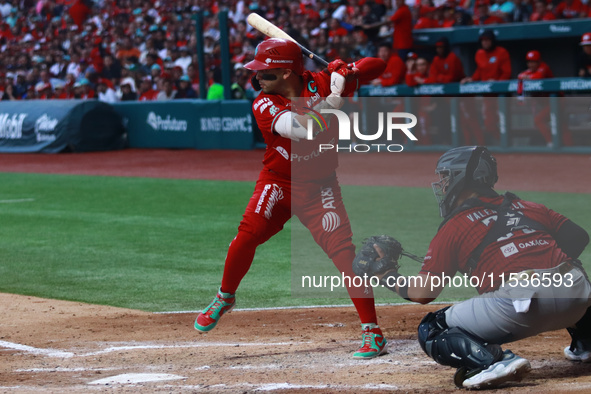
367 261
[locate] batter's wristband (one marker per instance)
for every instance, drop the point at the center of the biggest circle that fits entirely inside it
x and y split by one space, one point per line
313 116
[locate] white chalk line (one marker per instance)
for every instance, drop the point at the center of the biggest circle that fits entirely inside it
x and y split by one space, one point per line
17 200
292 386
37 351
64 354
280 308
63 369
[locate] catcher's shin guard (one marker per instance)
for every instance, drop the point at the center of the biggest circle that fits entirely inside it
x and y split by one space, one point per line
454 346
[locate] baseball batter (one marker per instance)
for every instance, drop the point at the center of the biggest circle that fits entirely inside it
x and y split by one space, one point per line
296 178
524 256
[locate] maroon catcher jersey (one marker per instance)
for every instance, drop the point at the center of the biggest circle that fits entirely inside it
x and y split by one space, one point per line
300 160
524 249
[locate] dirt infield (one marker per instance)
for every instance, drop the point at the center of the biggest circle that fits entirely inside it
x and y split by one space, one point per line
535 172
58 346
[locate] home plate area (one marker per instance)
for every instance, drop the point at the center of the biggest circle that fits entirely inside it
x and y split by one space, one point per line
58 346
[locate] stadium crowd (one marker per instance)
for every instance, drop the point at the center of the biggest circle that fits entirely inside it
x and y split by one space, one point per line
146 49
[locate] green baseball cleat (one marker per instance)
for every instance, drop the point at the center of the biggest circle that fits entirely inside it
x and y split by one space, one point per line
209 317
373 342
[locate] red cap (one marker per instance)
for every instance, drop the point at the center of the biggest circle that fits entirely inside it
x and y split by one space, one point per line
586 39
533 56
481 3
277 53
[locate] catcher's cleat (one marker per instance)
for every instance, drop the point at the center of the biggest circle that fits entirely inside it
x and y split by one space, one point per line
511 368
209 317
373 342
579 353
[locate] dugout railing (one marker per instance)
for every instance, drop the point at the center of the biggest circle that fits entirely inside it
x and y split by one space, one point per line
566 101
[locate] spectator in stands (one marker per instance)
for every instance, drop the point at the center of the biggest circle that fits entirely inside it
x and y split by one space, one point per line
419 74
395 67
194 75
216 89
241 79
425 19
402 20
449 14
492 64
541 12
105 91
483 17
185 90
584 61
446 66
74 65
8 93
167 91
522 12
503 9
492 61
83 90
184 59
59 68
569 9
128 92
111 68
147 91
127 50
537 69
44 91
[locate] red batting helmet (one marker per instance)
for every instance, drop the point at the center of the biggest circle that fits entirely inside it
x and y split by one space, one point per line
586 39
277 53
533 56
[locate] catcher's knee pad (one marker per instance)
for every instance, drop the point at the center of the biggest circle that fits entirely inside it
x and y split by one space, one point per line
454 346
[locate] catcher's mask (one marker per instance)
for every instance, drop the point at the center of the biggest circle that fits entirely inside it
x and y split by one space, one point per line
461 168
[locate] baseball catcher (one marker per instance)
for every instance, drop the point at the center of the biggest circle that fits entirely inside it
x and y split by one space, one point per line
529 255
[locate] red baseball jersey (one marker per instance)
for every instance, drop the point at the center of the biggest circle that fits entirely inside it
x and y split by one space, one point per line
492 65
543 71
394 72
446 70
300 160
453 244
402 19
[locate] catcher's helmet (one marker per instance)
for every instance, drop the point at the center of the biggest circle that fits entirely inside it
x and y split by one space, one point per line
277 53
461 168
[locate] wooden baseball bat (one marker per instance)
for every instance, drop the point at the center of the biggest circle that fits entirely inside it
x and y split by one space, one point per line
270 30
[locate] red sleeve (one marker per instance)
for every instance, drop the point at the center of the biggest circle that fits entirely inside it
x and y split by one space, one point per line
477 73
369 68
266 110
441 258
559 9
433 74
410 80
397 15
505 65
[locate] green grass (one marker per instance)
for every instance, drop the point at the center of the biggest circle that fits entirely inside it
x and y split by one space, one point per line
159 244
